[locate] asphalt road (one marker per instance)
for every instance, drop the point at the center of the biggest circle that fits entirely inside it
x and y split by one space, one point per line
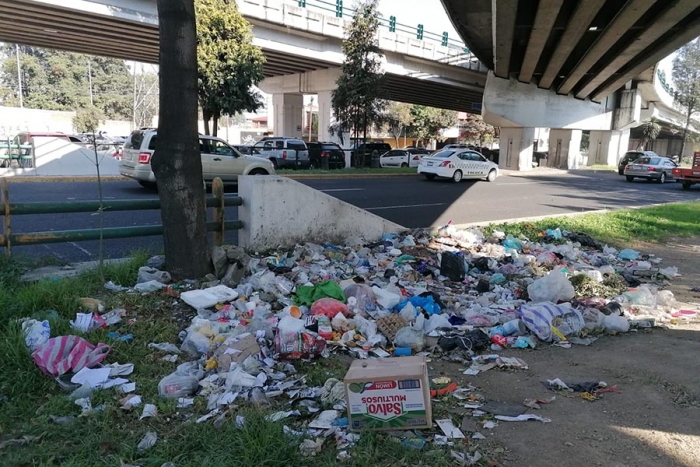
409 201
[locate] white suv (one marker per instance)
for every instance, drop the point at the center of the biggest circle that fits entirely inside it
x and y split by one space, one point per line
284 152
219 159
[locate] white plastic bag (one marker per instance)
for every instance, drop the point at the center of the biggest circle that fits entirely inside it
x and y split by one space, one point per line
614 323
411 338
386 299
195 343
553 287
35 333
541 317
435 322
175 386
147 274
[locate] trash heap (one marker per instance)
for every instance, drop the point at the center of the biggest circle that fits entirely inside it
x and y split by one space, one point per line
461 295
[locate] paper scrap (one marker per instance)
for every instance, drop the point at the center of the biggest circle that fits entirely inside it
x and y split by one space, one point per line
449 428
82 322
523 418
93 377
148 441
206 417
183 402
149 410
324 420
120 370
127 388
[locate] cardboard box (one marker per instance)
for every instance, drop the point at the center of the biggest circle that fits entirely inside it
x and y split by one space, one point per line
388 394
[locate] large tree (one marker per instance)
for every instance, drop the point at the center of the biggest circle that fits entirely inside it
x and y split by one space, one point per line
229 63
428 121
397 120
357 100
177 162
686 83
58 80
476 130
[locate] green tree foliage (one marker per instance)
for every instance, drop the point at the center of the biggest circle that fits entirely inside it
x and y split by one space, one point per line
650 131
228 62
476 130
686 83
428 121
57 80
397 120
88 119
357 100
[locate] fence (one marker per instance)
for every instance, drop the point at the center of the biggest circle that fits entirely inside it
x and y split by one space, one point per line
8 239
339 10
21 154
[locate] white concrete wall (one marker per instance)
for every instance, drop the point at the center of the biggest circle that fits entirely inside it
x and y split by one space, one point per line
516 148
278 212
607 147
564 149
287 114
15 119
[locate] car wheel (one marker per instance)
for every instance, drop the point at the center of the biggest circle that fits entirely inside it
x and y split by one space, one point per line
404 165
258 172
629 178
274 163
457 176
687 185
149 185
662 178
491 176
621 171
430 176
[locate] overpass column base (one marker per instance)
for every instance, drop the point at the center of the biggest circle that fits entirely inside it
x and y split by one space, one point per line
287 111
516 148
564 149
607 147
325 115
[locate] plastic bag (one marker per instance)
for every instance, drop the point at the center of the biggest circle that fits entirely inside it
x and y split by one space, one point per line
340 322
307 295
628 254
512 244
329 307
386 299
553 287
147 274
36 333
452 266
174 386
613 323
640 296
435 322
666 298
408 312
409 337
192 369
60 355
366 300
195 343
540 318
426 303
298 345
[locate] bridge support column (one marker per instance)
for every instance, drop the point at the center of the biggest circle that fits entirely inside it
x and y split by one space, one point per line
607 147
564 149
516 148
325 115
287 114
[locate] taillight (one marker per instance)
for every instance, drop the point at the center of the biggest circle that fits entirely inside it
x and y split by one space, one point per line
627 167
144 157
651 169
416 158
447 164
325 154
676 171
284 154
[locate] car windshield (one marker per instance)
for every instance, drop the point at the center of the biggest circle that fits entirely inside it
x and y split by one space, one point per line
643 160
443 154
632 155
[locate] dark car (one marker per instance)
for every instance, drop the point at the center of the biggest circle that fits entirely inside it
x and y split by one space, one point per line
246 149
539 156
371 150
631 156
319 149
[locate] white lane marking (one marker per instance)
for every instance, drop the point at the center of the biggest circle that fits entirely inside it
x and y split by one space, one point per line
379 208
342 189
53 252
81 248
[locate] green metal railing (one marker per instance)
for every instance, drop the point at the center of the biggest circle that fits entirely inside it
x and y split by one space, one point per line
664 84
22 154
8 239
336 7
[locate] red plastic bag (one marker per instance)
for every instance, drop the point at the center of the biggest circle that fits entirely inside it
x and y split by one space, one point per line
296 345
60 355
329 307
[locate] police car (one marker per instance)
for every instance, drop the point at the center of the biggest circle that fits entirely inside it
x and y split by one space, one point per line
458 164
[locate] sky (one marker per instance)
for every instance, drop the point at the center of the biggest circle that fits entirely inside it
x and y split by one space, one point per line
430 13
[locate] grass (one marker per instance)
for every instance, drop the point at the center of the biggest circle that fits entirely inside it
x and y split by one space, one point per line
352 171
619 228
611 168
110 438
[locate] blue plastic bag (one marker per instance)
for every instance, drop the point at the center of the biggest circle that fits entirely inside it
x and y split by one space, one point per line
628 254
512 244
426 303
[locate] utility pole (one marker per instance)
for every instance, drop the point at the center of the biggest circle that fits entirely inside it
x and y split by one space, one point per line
90 81
19 77
134 108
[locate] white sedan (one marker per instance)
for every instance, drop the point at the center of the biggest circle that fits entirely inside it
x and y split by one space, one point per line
458 164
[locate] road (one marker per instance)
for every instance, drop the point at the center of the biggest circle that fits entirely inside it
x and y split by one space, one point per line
409 201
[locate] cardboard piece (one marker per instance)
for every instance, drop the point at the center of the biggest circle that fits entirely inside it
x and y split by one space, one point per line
388 394
236 352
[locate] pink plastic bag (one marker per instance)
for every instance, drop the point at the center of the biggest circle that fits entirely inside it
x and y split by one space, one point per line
60 355
329 307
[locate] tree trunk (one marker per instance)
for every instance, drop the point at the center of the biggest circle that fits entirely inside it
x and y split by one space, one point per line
685 132
215 125
206 116
179 171
364 141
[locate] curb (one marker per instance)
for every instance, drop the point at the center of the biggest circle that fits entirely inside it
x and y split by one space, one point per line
346 176
64 178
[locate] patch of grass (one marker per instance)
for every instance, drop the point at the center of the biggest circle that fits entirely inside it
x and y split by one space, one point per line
352 171
611 168
318 371
619 228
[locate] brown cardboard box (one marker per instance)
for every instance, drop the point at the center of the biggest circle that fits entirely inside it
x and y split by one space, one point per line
388 394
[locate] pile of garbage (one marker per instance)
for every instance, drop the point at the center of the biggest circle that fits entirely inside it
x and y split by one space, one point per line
448 293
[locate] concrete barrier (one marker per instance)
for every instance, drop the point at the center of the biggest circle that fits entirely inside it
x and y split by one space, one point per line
279 212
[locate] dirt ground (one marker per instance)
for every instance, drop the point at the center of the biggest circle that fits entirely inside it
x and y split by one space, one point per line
654 421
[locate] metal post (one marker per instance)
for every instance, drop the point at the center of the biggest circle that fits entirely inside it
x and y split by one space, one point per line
217 189
5 191
134 108
90 81
19 77
338 8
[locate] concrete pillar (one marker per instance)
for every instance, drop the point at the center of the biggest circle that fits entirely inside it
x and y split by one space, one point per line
564 149
325 114
607 147
287 111
516 148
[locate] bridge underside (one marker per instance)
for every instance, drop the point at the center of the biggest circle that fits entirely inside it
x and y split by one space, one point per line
45 25
584 48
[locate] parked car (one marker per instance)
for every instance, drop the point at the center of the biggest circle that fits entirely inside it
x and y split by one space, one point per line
219 159
539 156
631 156
246 149
334 153
371 150
458 164
406 157
284 152
659 169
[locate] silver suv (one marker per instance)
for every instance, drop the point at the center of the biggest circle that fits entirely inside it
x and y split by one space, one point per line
219 159
284 152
